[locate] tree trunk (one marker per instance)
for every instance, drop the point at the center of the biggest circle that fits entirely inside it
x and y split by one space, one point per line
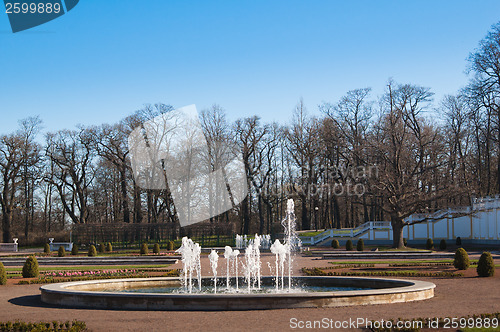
123 183
6 217
262 221
305 219
397 231
246 215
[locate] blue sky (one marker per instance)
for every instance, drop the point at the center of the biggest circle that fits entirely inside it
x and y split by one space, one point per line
107 58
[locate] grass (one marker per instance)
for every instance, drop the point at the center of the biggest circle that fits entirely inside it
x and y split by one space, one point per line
409 261
309 234
90 267
401 249
388 273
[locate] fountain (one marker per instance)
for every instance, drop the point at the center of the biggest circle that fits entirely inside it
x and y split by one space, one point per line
169 293
214 258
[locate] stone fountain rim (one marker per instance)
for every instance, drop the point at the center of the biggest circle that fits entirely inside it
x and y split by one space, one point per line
407 286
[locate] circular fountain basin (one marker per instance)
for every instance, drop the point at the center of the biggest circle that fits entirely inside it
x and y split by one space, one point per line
96 294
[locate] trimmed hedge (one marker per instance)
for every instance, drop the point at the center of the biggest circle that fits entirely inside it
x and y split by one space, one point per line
429 245
348 245
458 241
109 247
61 252
46 248
335 244
102 248
3 274
486 266
30 268
170 245
74 250
461 260
156 248
75 326
144 249
92 251
360 246
442 244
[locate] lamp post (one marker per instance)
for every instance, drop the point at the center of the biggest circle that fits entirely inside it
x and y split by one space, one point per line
316 217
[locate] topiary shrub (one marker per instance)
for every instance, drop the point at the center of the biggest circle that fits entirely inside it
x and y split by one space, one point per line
405 242
348 245
74 250
429 245
360 246
30 268
335 244
61 252
92 251
170 245
458 241
156 248
442 244
485 266
461 260
109 247
144 249
102 248
46 248
3 275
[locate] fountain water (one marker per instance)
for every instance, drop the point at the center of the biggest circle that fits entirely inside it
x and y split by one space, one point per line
292 241
252 264
190 253
242 241
281 251
214 258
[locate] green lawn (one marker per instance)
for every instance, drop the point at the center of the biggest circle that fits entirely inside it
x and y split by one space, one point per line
90 267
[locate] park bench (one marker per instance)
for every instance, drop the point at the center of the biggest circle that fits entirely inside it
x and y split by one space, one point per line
9 246
54 246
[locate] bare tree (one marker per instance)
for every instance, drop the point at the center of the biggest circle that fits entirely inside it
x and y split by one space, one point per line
72 154
405 150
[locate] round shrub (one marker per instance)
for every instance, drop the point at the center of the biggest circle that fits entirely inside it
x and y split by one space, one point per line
92 251
61 252
74 250
109 247
102 248
486 266
442 244
335 244
170 245
429 245
348 245
3 274
156 248
458 241
360 246
405 242
461 260
30 268
144 249
46 248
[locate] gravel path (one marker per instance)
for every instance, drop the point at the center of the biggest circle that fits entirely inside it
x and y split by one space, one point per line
453 298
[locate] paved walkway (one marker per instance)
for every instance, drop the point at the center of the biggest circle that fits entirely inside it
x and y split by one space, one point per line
453 298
